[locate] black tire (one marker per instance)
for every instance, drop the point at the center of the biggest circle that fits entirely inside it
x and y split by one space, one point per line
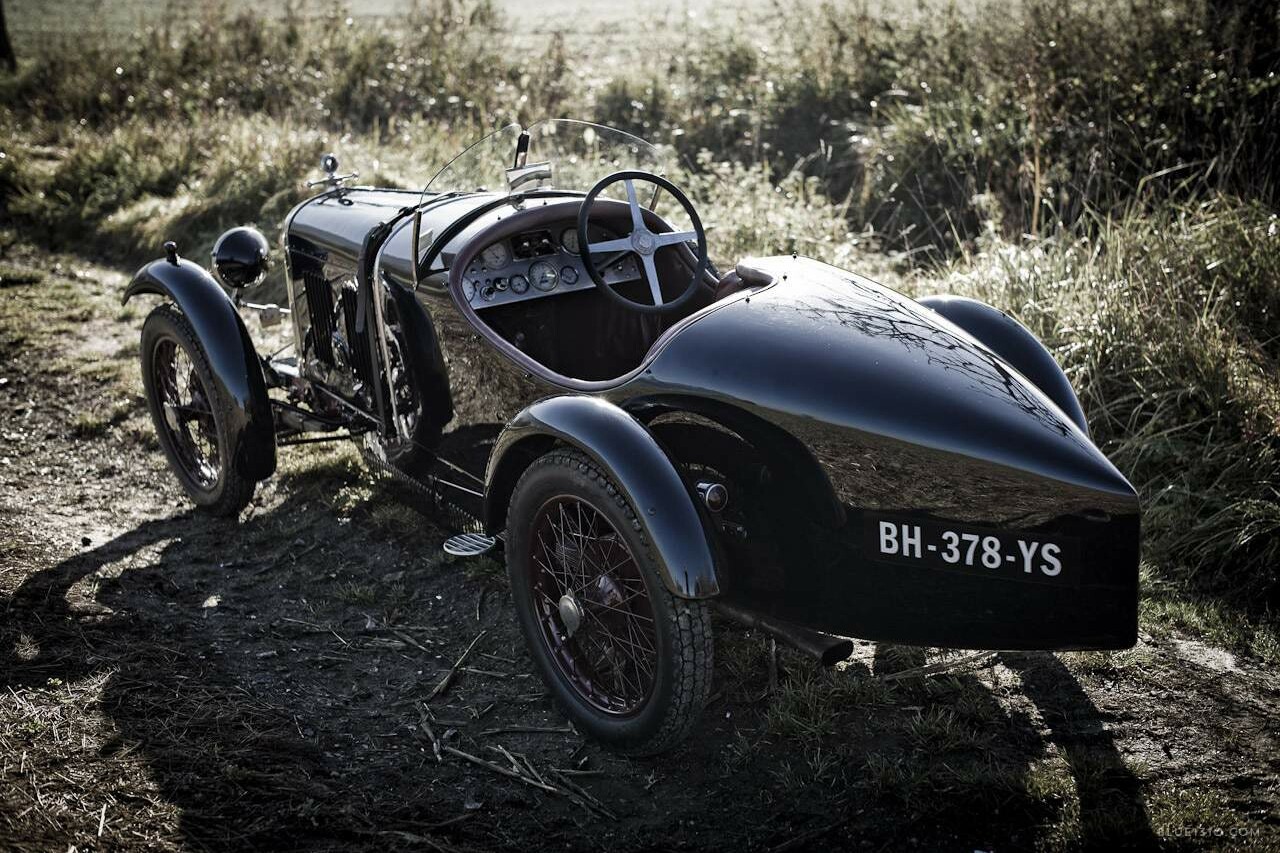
667 700
196 445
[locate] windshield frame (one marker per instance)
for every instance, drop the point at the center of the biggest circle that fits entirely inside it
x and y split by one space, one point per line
496 154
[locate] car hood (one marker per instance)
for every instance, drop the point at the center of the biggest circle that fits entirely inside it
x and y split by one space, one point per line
823 346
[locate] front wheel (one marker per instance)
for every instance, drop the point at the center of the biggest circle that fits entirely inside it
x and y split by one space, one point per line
191 413
411 358
629 662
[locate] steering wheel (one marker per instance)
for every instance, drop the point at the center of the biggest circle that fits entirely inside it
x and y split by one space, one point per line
642 242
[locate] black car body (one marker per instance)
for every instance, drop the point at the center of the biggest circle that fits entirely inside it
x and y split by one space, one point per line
804 447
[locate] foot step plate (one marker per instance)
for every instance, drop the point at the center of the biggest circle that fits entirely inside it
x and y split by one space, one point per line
469 544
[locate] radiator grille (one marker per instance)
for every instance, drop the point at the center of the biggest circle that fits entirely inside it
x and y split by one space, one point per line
320 303
357 340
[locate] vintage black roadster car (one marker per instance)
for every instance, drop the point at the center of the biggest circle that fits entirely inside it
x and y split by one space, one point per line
540 343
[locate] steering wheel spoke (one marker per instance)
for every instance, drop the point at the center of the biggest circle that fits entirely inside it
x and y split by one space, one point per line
651 273
637 215
644 242
676 237
622 244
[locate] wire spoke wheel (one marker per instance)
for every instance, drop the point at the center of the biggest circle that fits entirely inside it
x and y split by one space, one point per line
627 660
592 607
408 406
194 415
404 376
188 415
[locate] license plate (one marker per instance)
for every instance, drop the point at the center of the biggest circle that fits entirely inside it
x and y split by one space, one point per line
1000 554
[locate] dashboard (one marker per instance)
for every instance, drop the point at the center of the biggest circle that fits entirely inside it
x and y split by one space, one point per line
538 263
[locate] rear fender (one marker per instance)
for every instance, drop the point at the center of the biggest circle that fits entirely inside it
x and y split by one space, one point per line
631 456
793 465
232 357
1015 345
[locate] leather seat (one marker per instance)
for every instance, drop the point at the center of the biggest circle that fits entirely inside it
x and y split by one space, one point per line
741 277
728 285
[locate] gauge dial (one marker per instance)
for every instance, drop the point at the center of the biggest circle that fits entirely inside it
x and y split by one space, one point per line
519 284
468 289
543 276
569 275
569 239
496 256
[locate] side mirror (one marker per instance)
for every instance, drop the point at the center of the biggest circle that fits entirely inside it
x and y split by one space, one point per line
240 257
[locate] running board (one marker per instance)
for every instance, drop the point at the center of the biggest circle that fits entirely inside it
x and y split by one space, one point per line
469 544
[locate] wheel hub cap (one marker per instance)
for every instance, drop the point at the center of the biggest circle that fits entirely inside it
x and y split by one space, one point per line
570 614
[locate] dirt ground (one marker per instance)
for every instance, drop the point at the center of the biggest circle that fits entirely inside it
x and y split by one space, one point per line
169 681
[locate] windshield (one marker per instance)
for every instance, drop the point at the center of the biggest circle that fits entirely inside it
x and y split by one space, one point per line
562 154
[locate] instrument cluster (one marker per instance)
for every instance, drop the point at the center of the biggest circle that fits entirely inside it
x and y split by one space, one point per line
534 264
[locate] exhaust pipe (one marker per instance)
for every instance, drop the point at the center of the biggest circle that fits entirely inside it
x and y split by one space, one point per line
825 648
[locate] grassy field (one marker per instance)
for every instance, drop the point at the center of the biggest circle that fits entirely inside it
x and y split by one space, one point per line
29 16
70 16
616 34
1105 172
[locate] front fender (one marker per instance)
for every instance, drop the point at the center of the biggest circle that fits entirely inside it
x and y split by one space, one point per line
627 450
1015 345
232 358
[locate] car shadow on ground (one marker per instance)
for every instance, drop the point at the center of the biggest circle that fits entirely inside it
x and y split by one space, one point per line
1111 803
265 697
1111 813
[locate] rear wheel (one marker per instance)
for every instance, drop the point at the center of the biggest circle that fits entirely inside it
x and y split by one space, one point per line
191 414
629 662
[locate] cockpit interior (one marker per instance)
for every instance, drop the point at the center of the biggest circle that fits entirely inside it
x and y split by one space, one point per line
526 282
